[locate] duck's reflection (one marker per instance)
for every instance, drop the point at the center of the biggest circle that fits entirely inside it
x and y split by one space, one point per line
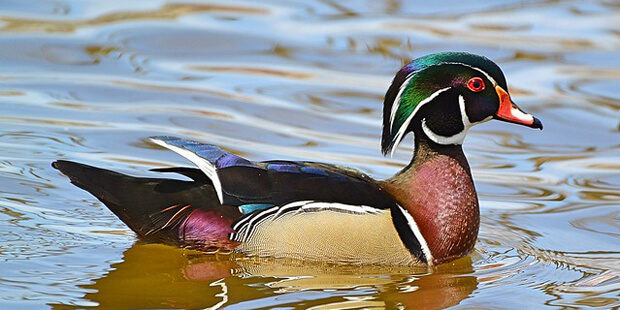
158 276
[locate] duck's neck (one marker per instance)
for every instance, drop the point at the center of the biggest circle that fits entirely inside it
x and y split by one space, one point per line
436 188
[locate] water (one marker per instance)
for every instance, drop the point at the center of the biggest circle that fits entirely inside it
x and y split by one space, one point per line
90 80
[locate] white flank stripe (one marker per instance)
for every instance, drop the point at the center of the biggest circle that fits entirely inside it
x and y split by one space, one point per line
241 223
202 164
245 227
416 231
253 224
240 233
242 226
403 128
291 205
319 206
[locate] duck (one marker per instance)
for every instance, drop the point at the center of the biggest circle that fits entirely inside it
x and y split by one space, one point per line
426 214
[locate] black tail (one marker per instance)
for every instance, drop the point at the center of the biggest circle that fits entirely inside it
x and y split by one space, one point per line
149 206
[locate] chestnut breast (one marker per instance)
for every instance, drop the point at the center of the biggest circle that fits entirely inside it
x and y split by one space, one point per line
440 195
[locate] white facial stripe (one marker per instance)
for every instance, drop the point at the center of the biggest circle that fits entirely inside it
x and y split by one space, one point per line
396 102
447 140
464 116
439 139
404 126
457 138
475 68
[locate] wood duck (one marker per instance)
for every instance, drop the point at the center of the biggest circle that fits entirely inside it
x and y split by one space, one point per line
427 214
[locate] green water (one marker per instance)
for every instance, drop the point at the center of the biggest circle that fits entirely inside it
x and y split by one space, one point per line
303 80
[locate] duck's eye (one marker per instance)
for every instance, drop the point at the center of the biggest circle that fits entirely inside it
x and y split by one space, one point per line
475 84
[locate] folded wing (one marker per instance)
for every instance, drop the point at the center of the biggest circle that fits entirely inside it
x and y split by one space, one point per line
259 185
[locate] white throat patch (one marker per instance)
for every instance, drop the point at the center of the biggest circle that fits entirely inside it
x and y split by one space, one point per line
457 138
439 139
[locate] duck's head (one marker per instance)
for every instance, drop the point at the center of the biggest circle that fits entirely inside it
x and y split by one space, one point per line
441 95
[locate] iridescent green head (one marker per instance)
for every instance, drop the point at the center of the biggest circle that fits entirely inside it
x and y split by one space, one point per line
442 95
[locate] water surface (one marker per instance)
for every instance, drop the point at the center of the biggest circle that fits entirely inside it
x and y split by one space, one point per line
303 80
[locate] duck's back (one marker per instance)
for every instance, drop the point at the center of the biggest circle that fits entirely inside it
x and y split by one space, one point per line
302 210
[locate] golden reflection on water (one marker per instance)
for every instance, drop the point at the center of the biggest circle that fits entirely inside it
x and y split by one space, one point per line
153 276
89 81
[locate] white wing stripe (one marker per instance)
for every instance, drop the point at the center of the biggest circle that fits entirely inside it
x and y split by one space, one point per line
204 165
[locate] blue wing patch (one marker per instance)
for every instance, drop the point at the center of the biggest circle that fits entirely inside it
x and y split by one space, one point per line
285 167
313 170
249 208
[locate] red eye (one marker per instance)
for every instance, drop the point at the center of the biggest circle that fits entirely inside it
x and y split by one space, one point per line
475 84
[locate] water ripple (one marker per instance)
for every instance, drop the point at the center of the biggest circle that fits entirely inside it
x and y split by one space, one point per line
89 81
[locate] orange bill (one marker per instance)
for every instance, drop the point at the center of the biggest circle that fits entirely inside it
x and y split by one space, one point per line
509 112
